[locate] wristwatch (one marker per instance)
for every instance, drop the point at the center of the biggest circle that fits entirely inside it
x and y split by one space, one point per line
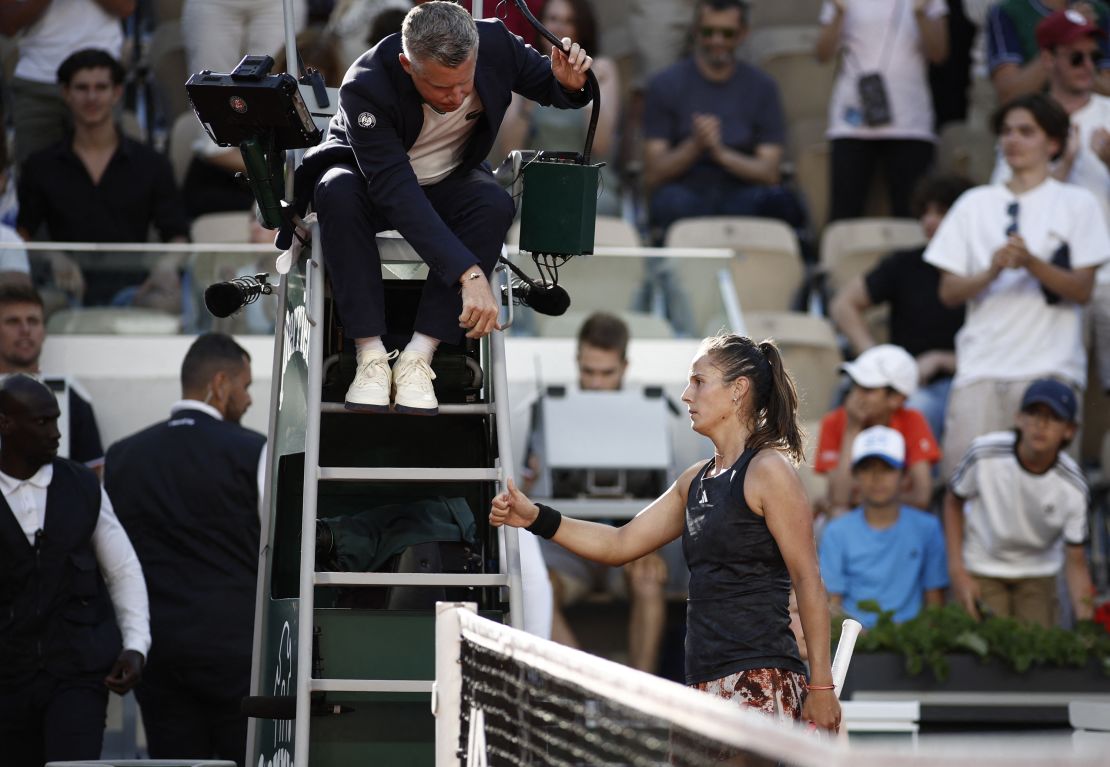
473 275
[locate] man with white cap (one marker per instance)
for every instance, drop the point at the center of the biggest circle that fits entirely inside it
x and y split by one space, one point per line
882 550
882 378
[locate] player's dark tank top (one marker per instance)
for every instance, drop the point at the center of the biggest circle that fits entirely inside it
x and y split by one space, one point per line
737 615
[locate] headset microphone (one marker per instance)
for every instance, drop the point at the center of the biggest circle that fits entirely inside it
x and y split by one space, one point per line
223 299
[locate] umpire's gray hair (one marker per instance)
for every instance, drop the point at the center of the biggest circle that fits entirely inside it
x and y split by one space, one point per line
439 31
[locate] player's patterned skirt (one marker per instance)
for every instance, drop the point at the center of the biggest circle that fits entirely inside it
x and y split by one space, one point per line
775 692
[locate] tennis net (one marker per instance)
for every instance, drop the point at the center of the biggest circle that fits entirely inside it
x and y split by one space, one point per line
505 698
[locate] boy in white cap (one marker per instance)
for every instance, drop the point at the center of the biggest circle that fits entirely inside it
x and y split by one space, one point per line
882 550
882 378
1016 511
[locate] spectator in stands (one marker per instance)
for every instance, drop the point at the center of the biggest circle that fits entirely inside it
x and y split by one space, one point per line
881 110
1023 256
405 151
529 125
1016 511
1070 51
48 32
883 550
602 360
1013 50
188 492
919 322
97 185
746 529
714 130
883 377
67 566
22 333
660 32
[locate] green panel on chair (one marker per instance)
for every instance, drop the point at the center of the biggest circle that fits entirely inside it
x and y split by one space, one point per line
558 208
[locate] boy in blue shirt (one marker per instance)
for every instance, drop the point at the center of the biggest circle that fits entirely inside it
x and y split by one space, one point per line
882 550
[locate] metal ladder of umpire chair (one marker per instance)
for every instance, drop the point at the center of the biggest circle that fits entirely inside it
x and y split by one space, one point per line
495 405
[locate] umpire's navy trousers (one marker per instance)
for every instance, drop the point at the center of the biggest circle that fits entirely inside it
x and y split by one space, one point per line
473 206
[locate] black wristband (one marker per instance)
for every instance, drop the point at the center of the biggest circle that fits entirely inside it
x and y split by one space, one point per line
547 522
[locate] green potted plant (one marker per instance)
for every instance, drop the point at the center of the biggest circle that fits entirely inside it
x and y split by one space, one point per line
994 654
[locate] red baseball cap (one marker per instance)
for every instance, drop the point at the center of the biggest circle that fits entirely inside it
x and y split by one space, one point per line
1064 27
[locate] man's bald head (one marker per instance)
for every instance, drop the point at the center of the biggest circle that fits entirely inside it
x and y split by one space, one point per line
20 391
28 425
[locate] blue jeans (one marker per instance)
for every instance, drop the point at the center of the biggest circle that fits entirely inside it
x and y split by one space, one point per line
932 401
677 200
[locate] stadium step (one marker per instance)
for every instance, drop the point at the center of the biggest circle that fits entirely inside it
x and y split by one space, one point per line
411 579
405 474
337 408
371 685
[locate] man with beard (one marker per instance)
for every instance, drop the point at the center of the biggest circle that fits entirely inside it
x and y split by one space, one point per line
714 130
22 333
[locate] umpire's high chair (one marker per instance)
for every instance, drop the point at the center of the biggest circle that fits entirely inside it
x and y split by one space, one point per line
352 683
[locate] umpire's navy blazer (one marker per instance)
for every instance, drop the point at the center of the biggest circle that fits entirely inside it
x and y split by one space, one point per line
380 116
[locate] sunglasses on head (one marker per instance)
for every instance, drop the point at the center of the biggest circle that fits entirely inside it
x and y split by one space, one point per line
1077 58
1012 212
728 33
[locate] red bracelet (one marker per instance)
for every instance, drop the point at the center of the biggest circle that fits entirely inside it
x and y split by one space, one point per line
820 686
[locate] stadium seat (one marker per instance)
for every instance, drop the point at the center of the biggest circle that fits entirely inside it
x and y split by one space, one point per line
167 63
167 10
852 247
186 129
811 173
805 132
640 325
767 266
615 231
809 350
967 150
107 320
777 13
787 55
231 226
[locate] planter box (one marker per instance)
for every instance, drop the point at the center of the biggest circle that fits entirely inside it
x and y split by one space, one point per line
976 691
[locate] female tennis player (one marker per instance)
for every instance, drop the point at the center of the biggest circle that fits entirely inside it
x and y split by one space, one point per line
747 534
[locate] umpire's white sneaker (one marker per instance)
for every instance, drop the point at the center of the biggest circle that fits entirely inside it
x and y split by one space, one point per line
369 392
412 386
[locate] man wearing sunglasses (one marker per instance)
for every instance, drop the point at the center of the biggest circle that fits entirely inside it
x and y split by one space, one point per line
714 130
1071 52
1013 47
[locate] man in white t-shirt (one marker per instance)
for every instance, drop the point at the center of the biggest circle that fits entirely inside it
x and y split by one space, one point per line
51 31
1070 53
1023 256
1014 506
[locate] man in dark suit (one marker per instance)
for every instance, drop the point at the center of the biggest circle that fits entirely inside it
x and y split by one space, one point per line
188 491
418 114
73 606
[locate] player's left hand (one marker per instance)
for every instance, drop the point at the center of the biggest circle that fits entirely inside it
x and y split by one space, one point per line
126 672
570 65
822 709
